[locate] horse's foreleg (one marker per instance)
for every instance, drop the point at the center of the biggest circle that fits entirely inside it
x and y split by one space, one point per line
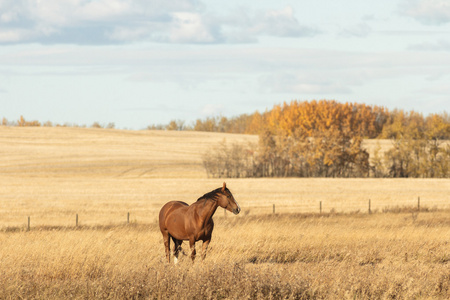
205 248
192 245
167 245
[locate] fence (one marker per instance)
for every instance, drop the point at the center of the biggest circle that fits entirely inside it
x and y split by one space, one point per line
76 221
321 209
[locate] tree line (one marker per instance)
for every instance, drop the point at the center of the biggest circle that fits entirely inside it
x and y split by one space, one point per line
310 116
22 122
321 139
324 139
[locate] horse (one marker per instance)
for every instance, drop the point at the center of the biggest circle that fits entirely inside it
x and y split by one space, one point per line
182 222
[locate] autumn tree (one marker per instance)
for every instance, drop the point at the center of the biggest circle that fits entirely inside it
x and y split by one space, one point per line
226 160
418 148
319 116
23 123
175 125
5 122
318 138
250 124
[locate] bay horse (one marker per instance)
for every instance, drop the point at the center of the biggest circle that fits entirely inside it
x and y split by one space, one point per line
182 222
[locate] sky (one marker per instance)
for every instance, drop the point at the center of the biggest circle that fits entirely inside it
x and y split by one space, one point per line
135 63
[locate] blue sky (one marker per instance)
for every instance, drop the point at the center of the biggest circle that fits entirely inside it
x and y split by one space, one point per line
142 62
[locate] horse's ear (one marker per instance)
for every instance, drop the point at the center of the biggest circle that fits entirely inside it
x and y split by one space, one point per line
224 187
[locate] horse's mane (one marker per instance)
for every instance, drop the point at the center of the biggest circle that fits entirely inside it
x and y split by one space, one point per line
212 194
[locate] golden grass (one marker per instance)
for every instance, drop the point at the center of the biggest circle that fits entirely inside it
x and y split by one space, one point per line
52 174
286 256
104 201
68 152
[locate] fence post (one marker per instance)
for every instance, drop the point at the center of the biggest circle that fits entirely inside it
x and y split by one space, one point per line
274 208
76 220
370 211
320 207
418 203
128 218
28 227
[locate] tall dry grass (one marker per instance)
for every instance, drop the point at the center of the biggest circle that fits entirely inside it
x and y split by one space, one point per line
347 256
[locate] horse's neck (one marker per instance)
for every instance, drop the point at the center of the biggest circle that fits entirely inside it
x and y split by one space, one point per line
206 210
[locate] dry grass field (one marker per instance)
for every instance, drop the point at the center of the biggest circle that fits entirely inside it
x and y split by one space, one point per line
382 256
52 174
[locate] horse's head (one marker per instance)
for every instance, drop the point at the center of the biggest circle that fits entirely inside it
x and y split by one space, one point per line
227 201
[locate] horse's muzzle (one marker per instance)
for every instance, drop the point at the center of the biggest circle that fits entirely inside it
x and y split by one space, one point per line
236 210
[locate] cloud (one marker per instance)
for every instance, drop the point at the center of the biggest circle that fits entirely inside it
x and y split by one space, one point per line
123 21
302 84
441 45
429 12
190 27
212 110
243 26
319 72
440 90
280 23
362 29
270 69
87 22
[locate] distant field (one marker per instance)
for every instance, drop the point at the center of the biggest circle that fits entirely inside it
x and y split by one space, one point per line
53 174
79 152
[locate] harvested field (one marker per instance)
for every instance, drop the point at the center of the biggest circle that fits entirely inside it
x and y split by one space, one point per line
53 174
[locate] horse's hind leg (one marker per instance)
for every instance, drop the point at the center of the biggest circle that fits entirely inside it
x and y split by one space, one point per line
177 249
166 238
